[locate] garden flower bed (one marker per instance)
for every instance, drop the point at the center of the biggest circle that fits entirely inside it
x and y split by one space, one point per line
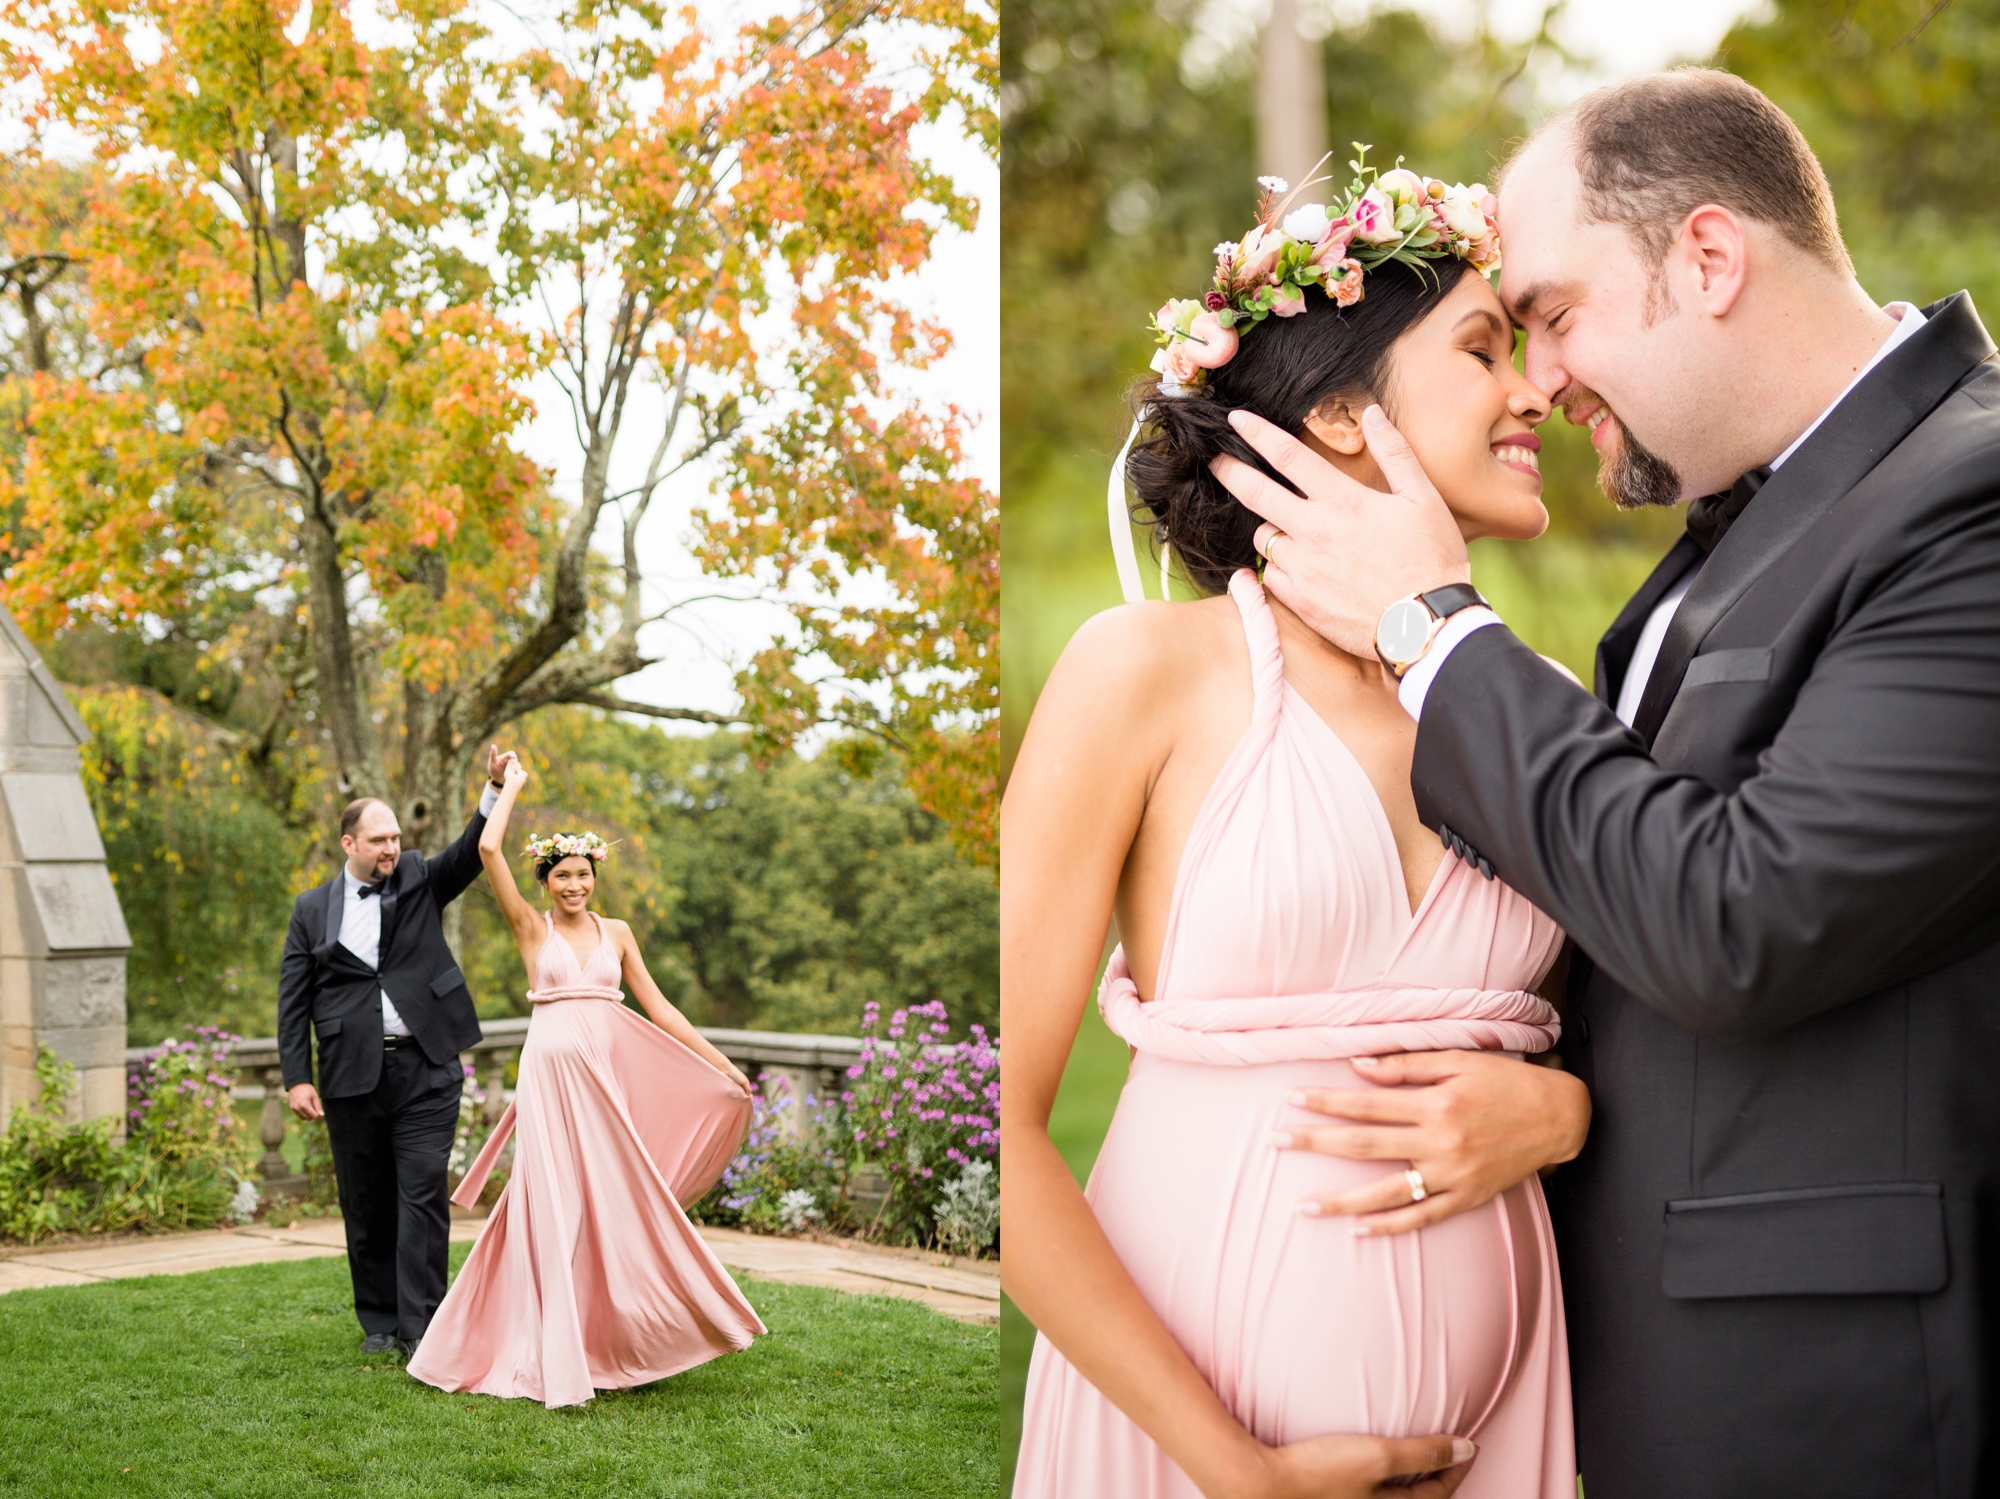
906 1154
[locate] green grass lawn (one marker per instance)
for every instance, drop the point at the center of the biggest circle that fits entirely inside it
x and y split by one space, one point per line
250 1382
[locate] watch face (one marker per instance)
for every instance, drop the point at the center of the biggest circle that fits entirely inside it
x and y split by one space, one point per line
1404 631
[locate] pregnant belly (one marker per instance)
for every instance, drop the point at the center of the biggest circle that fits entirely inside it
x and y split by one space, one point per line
1301 1327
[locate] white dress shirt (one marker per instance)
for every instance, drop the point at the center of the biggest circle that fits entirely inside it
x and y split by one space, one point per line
361 925
1417 680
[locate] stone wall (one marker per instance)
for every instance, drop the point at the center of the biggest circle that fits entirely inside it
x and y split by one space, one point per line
62 936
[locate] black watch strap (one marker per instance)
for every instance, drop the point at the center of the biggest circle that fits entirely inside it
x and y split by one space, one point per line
1446 601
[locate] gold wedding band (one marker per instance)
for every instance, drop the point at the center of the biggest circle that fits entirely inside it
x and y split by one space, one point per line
1418 1191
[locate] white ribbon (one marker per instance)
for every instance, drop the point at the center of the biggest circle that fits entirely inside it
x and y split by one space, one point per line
1122 549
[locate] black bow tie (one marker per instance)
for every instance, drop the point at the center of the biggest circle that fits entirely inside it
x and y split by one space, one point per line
1710 517
375 889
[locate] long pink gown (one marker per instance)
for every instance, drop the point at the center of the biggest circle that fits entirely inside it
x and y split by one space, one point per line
1291 947
588 1275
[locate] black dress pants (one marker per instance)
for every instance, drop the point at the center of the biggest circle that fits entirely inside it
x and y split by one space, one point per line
391 1153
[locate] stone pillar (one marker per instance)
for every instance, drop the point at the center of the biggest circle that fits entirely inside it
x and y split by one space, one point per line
62 936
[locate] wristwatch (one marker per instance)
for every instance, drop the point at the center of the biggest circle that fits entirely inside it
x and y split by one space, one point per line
1408 626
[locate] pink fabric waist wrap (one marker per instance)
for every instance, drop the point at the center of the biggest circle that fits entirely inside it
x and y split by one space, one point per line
573 991
1370 1020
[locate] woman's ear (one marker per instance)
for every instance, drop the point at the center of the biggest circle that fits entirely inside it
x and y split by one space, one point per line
1336 428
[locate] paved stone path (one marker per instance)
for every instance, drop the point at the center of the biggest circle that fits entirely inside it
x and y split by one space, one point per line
966 1289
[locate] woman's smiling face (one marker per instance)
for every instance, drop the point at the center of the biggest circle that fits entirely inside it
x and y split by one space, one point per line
1468 414
571 882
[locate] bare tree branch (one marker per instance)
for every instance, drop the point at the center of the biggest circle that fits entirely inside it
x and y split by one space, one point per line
613 704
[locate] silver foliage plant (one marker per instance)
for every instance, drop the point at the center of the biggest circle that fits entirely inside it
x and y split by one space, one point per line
968 1211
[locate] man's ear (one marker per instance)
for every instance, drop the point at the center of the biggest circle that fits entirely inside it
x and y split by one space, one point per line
1335 427
1711 258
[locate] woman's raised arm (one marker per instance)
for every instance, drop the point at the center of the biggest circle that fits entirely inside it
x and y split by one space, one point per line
520 916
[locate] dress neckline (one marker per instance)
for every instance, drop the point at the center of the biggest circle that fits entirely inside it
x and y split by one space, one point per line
1269 690
555 936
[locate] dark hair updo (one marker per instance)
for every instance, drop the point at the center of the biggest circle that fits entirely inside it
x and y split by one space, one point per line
1284 370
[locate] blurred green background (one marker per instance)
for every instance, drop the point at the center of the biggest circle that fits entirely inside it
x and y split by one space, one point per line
1129 148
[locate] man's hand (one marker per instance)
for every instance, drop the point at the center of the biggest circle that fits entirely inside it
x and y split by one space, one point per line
1471 1122
496 764
304 1100
1344 553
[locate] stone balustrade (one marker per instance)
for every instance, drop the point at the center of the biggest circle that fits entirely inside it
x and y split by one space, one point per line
812 1066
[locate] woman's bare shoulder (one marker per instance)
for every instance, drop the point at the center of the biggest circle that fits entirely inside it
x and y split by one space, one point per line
1134 649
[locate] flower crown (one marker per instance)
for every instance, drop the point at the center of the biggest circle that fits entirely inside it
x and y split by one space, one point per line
1395 215
558 846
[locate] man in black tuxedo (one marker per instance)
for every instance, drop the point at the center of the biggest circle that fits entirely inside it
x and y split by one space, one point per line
366 971
1774 833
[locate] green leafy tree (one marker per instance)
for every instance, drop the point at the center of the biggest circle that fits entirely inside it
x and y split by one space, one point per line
1896 98
205 867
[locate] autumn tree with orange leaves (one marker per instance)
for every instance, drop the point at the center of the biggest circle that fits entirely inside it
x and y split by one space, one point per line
274 338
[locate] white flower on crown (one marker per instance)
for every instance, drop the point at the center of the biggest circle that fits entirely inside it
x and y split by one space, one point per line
1308 225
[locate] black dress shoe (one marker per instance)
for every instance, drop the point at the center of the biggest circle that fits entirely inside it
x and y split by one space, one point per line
408 1347
378 1342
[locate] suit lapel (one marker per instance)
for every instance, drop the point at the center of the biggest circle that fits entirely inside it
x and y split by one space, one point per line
1614 651
390 893
333 898
1857 434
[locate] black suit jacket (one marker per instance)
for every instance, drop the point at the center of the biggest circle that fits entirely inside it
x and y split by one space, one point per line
1781 1246
327 991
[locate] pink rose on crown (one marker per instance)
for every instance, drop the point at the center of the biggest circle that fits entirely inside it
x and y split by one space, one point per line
1288 301
1347 290
1179 366
1209 344
1374 218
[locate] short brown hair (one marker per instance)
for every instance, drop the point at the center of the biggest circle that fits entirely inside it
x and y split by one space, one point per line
350 815
1652 150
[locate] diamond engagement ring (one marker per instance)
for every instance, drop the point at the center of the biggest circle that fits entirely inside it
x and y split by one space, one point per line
1418 1191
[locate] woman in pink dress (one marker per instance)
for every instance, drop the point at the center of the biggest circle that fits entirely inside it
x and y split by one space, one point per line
588 1275
1234 792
